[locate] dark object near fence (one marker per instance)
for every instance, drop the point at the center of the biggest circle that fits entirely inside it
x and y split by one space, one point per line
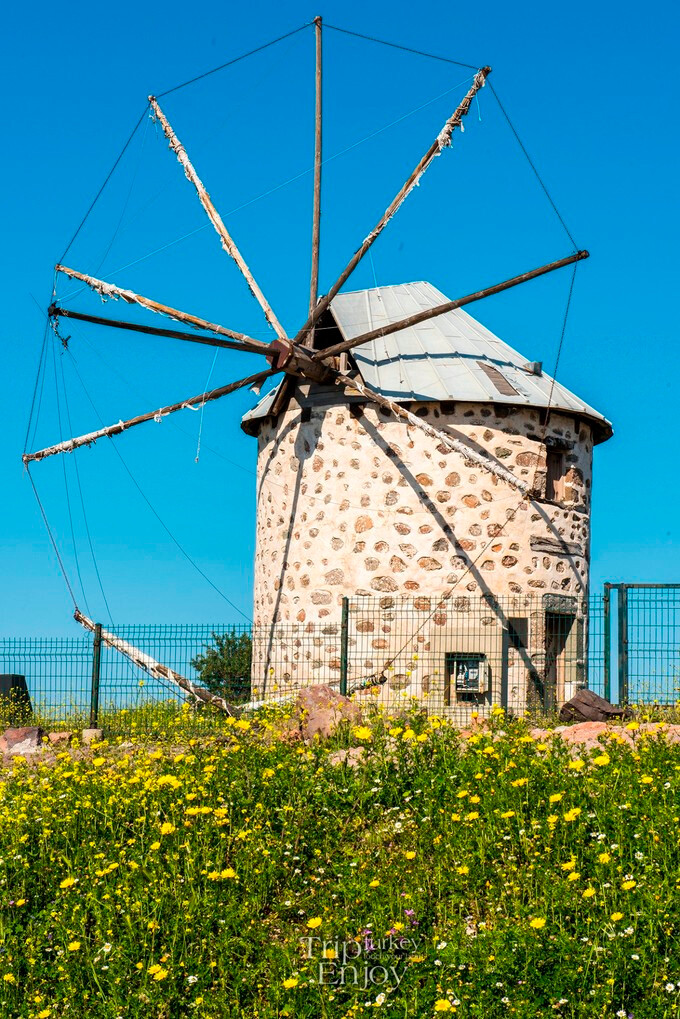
14 697
586 706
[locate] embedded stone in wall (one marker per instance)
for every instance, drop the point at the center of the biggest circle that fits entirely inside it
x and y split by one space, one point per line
509 560
399 681
424 479
397 565
384 584
428 563
321 597
335 577
452 479
362 524
471 501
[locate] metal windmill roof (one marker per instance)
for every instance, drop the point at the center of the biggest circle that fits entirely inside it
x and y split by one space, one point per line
451 357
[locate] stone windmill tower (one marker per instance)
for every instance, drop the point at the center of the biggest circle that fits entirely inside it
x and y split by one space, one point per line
355 502
405 452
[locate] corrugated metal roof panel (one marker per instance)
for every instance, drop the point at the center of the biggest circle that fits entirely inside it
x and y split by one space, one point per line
451 357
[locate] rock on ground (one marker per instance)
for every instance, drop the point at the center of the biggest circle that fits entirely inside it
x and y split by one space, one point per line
26 739
320 710
586 706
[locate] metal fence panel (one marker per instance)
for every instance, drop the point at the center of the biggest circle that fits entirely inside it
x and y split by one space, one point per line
455 656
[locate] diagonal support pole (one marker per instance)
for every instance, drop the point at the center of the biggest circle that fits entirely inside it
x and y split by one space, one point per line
155 415
485 462
442 141
215 218
108 291
154 668
442 309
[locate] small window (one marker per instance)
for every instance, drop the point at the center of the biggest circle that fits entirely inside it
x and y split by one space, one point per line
554 481
518 633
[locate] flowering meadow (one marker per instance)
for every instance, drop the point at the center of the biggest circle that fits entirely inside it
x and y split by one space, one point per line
245 874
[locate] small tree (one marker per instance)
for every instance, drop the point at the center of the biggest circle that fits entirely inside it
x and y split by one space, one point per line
224 667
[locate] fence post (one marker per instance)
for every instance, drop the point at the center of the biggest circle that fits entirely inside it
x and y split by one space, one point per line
607 624
344 632
623 644
96 666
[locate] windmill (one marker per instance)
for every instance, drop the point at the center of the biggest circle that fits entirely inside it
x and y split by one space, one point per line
303 359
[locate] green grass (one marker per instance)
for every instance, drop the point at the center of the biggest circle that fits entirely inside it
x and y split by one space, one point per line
149 881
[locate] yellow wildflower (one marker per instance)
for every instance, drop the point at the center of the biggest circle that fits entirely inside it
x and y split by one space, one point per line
537 923
291 982
314 922
363 733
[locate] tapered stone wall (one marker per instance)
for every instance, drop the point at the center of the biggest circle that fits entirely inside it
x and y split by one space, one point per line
351 501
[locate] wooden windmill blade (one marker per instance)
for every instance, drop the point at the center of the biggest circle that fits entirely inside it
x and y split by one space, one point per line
69 445
254 346
442 141
442 309
213 215
110 291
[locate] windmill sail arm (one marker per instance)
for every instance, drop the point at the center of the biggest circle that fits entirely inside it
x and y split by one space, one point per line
69 445
456 445
109 291
211 341
154 668
442 309
215 218
442 141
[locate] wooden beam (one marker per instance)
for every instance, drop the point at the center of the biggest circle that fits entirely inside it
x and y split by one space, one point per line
108 291
215 218
154 668
173 334
155 415
442 309
466 451
316 214
442 140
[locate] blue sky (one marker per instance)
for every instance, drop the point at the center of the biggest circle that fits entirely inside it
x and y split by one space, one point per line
592 92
